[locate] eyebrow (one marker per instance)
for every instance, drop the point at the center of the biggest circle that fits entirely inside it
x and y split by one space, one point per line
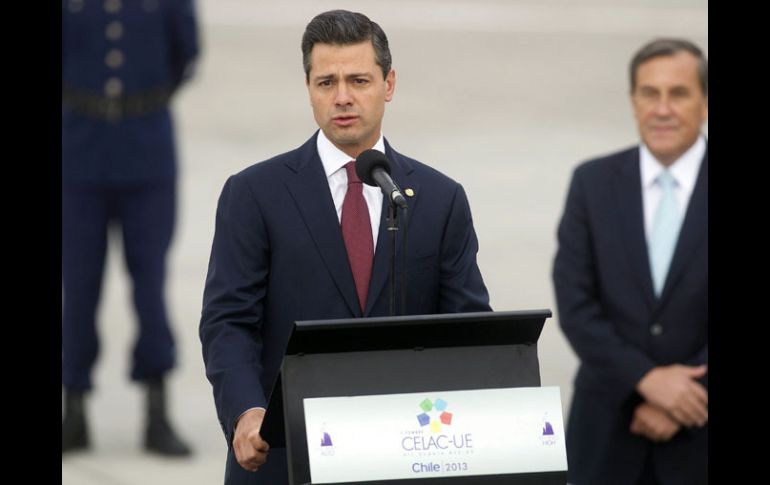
324 77
676 87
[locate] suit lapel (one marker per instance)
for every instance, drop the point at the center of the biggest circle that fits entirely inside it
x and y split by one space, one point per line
694 229
310 190
401 170
630 213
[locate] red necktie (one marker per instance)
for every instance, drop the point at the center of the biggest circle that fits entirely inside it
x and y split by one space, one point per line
357 233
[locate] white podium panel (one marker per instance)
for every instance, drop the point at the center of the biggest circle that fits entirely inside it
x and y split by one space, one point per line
435 434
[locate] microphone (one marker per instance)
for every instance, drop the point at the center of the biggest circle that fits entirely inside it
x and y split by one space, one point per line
373 168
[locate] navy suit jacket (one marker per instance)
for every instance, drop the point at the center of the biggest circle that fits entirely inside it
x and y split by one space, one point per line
278 256
618 327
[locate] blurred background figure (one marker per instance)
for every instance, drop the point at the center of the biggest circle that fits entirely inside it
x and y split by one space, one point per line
122 61
631 279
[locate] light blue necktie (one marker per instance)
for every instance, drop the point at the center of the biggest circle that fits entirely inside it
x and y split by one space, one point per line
665 231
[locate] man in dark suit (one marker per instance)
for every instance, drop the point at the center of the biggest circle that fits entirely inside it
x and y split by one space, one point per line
121 64
299 237
631 281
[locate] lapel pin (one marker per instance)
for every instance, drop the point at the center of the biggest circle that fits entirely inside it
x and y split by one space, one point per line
409 192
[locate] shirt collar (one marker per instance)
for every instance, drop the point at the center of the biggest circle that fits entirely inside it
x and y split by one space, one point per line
333 158
684 169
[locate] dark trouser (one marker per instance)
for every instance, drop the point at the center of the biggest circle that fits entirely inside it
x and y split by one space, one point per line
274 472
146 216
648 473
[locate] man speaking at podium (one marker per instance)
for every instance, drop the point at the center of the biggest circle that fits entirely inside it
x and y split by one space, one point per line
299 237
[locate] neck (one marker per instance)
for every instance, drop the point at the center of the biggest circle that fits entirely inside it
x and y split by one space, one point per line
353 150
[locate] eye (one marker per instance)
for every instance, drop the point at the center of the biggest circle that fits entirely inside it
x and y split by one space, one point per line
648 93
361 81
680 93
325 83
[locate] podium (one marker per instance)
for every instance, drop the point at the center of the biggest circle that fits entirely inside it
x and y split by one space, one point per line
404 354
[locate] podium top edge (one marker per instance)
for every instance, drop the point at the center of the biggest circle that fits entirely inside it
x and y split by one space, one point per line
416 332
305 325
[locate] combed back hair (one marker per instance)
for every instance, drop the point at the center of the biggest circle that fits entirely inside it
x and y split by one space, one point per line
669 47
341 27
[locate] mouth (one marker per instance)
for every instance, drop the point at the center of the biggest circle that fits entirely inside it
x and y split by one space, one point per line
662 130
344 120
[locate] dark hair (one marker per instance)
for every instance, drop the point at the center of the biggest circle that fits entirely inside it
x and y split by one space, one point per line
669 47
342 27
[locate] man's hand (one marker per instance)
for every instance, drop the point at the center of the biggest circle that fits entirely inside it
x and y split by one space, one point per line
653 423
249 447
674 389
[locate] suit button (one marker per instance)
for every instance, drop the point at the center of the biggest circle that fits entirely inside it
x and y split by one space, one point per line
113 87
114 30
113 6
114 58
656 329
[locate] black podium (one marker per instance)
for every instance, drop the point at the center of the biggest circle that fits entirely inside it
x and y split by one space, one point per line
375 356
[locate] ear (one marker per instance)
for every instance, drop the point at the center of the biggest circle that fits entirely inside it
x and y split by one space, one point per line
390 85
307 86
634 110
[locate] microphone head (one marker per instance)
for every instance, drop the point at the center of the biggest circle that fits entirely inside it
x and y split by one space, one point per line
367 161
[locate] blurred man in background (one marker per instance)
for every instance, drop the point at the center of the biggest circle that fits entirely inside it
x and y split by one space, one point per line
121 63
631 281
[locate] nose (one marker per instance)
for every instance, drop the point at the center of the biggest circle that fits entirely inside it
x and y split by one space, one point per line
663 107
343 97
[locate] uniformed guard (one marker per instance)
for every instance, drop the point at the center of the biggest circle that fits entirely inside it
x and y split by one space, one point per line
122 61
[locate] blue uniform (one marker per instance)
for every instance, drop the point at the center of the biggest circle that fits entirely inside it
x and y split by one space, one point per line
121 63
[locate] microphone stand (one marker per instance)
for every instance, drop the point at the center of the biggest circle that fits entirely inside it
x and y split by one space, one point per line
405 225
392 225
392 229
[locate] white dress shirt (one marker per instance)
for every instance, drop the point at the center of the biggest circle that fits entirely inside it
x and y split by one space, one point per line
334 161
684 170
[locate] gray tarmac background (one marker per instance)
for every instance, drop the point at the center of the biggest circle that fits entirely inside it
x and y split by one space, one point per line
506 97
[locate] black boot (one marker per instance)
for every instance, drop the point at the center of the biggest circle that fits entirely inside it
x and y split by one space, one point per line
74 429
159 436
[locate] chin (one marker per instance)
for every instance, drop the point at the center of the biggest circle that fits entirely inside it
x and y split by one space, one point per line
662 145
345 141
